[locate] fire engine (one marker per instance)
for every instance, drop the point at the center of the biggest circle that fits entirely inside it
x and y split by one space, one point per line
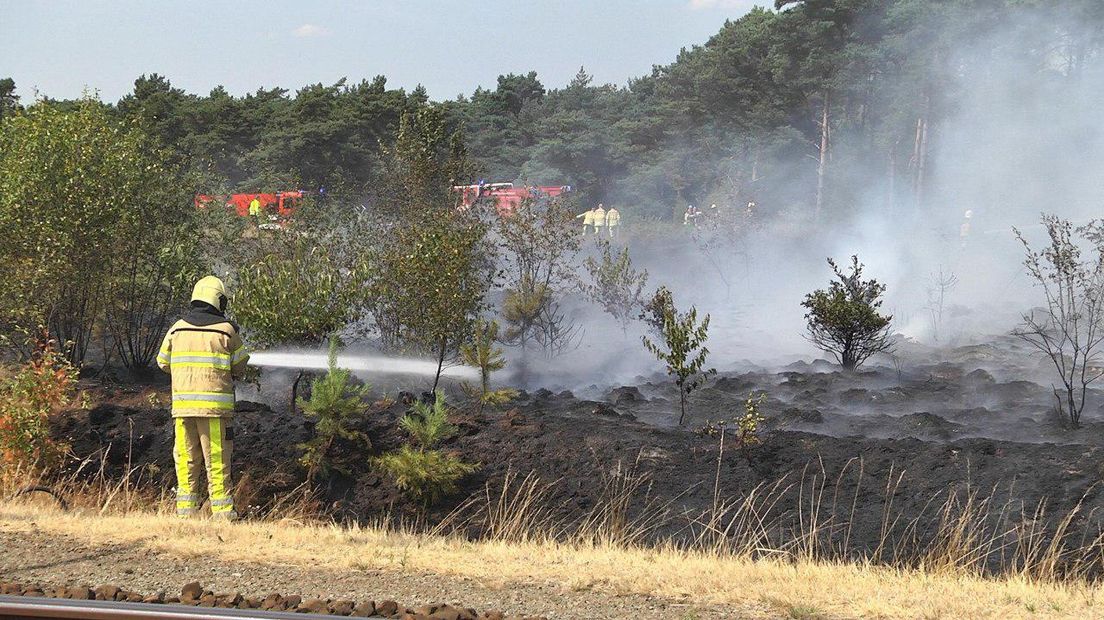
279 204
506 196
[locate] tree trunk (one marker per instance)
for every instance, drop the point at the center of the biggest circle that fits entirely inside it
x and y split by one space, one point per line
682 404
440 363
822 164
295 393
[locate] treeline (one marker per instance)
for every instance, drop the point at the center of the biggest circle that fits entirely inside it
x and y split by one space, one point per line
795 108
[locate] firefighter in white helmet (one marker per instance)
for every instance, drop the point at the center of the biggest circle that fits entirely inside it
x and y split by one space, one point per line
204 354
964 230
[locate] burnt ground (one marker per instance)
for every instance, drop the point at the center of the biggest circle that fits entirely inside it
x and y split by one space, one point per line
953 422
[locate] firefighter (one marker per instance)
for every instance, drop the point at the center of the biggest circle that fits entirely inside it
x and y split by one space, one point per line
204 354
613 222
599 219
690 217
255 207
588 220
964 229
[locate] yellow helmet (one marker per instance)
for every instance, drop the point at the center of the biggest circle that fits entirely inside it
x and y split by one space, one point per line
211 290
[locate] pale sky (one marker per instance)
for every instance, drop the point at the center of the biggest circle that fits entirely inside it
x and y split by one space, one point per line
59 48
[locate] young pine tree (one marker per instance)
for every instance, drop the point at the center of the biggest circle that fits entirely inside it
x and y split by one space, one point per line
335 406
482 353
420 469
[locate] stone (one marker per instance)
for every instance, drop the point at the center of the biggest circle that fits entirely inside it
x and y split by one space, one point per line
445 613
342 608
272 601
172 600
106 593
425 610
133 597
313 606
80 593
387 609
192 590
493 615
155 598
34 592
11 589
365 609
292 601
208 600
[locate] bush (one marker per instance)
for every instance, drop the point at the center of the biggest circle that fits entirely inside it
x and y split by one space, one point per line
87 205
424 472
683 345
42 386
296 290
844 321
335 406
1069 329
617 287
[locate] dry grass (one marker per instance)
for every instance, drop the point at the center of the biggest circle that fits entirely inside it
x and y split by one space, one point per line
739 556
758 588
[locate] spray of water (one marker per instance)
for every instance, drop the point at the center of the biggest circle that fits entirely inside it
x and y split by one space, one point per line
359 364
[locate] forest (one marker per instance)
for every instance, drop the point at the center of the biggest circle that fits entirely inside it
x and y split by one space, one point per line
801 108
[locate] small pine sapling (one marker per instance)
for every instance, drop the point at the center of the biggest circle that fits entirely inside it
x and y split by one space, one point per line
481 352
420 469
335 406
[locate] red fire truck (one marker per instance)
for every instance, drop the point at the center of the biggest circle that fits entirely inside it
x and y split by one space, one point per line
506 196
279 204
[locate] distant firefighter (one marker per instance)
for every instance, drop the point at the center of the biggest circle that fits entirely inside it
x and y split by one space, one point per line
599 219
255 207
690 217
613 222
964 230
204 354
588 220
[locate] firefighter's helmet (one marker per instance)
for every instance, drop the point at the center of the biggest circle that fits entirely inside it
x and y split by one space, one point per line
969 213
211 290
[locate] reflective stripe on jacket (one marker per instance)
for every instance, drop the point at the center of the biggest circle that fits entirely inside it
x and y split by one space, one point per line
203 360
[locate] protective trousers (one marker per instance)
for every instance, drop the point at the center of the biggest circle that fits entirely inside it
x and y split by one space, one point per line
203 441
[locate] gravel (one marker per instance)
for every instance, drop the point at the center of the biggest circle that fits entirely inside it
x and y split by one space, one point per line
57 560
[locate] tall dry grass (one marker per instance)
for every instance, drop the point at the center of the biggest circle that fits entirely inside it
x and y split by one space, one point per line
811 519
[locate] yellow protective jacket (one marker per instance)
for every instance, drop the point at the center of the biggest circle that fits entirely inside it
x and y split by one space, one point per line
588 217
255 207
204 354
613 218
599 217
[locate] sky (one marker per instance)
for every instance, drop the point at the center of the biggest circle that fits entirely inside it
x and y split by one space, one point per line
60 48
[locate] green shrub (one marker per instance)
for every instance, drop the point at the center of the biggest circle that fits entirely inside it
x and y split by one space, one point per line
44 385
843 319
296 290
681 346
420 470
335 406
